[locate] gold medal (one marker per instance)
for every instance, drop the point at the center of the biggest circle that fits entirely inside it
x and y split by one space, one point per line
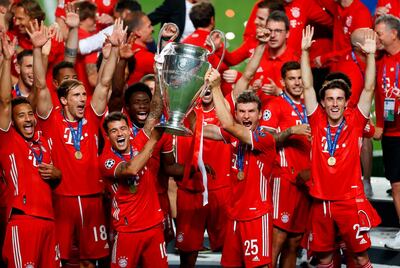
78 155
240 175
331 161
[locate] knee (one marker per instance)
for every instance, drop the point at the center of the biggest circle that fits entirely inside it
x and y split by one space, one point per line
361 259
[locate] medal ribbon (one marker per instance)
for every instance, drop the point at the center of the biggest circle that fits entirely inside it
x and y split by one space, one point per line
332 144
134 129
121 156
38 157
17 91
303 118
240 157
353 56
76 135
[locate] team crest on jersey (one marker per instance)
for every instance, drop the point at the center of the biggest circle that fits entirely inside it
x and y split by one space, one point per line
295 12
349 20
267 115
179 237
106 2
285 217
109 163
122 261
29 265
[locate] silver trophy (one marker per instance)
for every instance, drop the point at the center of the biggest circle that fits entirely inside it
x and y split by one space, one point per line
181 72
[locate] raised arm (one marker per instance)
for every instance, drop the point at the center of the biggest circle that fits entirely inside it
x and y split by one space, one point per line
131 168
369 48
156 109
242 84
39 36
71 44
310 98
103 87
227 121
5 85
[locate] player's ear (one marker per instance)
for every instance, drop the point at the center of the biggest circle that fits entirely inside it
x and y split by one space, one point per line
63 101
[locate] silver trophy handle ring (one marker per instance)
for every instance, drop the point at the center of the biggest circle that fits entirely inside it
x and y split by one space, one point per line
214 48
160 35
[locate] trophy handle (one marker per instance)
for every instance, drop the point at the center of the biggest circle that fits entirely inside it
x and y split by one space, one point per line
214 48
168 24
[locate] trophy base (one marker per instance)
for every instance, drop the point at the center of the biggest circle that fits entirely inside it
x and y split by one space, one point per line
178 130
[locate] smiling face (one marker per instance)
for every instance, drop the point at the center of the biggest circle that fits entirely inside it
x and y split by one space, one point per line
24 120
293 84
119 133
26 71
334 104
74 103
21 19
248 114
139 107
386 36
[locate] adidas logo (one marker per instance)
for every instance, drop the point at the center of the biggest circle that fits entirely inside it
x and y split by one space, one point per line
106 246
256 258
363 241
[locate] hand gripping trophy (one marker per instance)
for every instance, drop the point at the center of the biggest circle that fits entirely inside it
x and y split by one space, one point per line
181 69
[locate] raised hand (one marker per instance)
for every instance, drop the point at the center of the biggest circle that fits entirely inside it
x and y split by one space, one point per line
369 46
170 30
106 50
263 35
270 88
307 41
213 78
125 49
8 46
71 16
118 35
38 34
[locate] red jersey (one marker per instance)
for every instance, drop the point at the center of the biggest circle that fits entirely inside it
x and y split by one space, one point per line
199 38
144 64
271 67
30 193
336 182
103 7
82 61
387 86
216 154
300 13
392 5
135 205
79 176
346 20
251 197
295 155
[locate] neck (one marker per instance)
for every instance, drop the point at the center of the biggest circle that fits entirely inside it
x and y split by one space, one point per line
293 98
209 28
336 122
137 124
140 42
69 116
25 91
394 48
276 52
208 107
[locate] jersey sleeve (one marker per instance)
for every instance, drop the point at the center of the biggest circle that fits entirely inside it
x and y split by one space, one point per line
108 165
167 146
262 140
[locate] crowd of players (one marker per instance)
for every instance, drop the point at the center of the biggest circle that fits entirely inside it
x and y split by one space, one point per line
276 162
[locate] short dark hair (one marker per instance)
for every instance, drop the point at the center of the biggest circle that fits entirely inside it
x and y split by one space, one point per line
390 21
335 83
86 10
61 65
114 116
338 75
136 21
19 100
248 97
201 14
289 66
22 54
271 5
137 87
279 16
66 86
32 9
130 5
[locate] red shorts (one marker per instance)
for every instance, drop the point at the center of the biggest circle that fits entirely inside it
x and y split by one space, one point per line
248 243
347 219
30 241
291 206
167 221
193 218
145 248
81 219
